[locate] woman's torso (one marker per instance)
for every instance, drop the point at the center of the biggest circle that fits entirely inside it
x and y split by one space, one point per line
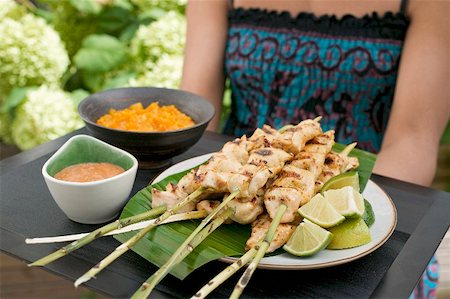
283 69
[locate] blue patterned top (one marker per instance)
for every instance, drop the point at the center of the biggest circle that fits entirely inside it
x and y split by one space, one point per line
283 70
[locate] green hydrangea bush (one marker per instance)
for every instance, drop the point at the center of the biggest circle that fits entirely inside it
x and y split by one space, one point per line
53 51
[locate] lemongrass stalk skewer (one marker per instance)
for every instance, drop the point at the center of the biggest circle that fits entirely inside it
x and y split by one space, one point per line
125 229
202 235
185 248
133 240
225 274
97 234
245 278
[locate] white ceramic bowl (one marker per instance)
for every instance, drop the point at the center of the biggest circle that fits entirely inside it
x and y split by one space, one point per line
90 202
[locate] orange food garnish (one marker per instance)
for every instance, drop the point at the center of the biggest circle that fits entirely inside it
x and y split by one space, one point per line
154 118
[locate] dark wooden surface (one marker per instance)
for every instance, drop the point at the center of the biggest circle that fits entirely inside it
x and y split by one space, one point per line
10 274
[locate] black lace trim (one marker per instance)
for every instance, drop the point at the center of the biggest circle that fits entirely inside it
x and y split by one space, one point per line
390 25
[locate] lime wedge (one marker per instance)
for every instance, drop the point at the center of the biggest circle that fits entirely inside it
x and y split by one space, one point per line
369 215
342 180
351 233
321 212
347 201
308 239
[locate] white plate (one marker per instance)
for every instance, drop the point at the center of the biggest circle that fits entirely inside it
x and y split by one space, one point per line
381 230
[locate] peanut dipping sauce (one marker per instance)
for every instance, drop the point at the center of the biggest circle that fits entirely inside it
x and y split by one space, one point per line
88 172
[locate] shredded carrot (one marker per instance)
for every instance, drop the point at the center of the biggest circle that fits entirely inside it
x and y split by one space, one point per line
154 118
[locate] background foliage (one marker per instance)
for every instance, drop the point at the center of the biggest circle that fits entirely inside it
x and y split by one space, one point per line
53 51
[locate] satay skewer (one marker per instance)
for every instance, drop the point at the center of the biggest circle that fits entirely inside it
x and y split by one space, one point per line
261 251
308 163
126 227
182 251
133 240
299 177
95 235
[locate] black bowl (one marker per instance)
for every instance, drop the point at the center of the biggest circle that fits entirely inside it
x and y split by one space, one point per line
152 149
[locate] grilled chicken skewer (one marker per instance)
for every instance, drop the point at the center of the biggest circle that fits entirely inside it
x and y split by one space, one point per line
262 165
297 183
294 185
250 162
232 156
299 176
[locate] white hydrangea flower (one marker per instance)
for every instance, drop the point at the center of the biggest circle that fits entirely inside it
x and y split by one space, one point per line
47 113
166 72
10 9
165 36
31 53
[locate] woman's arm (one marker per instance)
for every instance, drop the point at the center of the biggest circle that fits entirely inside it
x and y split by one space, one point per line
204 53
421 106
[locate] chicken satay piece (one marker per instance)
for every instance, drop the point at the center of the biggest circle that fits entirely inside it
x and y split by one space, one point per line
259 229
293 187
321 144
169 198
215 182
315 151
247 210
267 137
300 134
209 206
230 159
236 150
263 164
334 165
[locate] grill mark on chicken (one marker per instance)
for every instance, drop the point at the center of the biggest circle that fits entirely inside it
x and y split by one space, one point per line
264 152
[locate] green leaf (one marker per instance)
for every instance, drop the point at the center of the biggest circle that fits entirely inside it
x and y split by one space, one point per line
120 80
48 16
78 95
446 136
123 4
128 33
369 215
100 53
151 15
16 97
93 81
86 6
113 19
227 240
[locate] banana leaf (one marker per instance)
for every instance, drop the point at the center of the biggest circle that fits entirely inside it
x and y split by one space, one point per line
228 240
